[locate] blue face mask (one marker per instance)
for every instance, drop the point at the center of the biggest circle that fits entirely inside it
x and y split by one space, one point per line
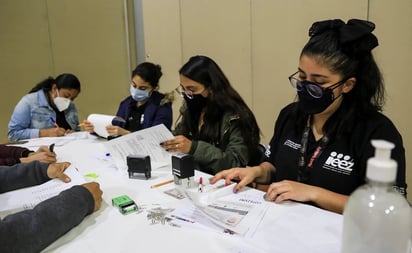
139 95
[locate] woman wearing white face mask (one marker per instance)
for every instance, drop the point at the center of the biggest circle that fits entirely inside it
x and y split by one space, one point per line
48 109
145 107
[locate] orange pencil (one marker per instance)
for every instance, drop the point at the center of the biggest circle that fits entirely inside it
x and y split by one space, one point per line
162 183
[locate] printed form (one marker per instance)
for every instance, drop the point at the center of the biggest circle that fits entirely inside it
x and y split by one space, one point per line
27 198
143 142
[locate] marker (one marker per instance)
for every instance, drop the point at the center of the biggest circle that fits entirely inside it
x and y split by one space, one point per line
162 183
200 189
51 147
54 122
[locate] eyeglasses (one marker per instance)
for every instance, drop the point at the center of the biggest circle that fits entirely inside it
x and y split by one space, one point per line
314 89
183 93
186 92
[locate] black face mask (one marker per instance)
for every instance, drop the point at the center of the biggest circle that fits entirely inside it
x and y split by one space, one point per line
197 103
312 105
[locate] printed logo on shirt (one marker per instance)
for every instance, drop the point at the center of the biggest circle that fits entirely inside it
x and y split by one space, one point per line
339 163
267 151
292 144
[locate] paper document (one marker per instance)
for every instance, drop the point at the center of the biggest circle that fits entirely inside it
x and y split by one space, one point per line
34 143
239 213
100 121
27 198
143 142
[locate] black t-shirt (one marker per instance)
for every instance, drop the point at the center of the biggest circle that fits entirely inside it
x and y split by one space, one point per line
341 166
136 117
61 120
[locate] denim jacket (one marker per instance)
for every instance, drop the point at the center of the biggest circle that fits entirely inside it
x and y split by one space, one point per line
33 113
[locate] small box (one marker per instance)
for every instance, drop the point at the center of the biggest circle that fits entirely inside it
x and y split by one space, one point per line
138 164
125 204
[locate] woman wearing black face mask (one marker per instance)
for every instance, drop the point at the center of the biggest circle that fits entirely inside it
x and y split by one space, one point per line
321 144
216 126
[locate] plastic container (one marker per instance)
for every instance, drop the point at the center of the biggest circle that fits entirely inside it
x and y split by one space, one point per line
377 218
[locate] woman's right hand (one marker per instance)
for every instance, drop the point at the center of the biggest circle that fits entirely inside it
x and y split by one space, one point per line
52 132
245 176
87 126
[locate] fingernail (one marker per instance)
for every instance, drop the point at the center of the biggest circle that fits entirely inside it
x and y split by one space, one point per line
236 190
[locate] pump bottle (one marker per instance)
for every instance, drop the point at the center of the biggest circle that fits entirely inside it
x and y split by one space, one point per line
376 218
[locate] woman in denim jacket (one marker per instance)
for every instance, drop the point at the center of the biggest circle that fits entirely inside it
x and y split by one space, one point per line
48 110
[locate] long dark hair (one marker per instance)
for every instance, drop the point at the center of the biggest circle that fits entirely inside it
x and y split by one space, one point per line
66 81
222 98
346 50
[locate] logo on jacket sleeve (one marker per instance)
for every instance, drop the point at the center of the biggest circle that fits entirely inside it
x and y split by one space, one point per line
339 163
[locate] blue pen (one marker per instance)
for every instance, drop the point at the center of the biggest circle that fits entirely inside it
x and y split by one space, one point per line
54 122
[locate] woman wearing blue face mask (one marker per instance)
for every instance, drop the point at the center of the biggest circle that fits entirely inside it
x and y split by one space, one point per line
145 107
47 111
322 142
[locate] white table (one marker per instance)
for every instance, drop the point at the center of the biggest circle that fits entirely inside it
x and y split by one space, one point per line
288 227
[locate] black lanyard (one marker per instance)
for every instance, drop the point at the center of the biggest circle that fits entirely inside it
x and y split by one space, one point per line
303 166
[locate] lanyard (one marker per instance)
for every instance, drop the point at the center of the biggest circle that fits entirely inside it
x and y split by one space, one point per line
303 166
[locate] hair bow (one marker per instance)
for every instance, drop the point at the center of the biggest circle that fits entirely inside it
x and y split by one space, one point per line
356 36
322 26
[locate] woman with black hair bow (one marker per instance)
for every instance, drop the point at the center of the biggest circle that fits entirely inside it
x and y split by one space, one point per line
321 143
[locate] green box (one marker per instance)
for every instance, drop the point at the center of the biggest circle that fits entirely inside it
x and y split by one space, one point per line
125 204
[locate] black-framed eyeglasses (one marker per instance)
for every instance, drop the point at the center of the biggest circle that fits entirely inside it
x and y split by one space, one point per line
188 93
314 89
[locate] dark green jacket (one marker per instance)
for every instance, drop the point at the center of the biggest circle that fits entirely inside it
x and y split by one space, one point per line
231 151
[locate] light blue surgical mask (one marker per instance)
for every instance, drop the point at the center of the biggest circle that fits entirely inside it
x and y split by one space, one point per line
139 95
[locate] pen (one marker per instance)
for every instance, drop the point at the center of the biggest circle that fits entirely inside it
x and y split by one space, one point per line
54 122
200 189
182 219
162 183
51 147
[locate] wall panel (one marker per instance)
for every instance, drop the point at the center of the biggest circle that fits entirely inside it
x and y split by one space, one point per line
220 30
92 44
25 56
394 54
162 42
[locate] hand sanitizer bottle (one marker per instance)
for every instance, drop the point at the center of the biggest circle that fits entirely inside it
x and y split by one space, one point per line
376 218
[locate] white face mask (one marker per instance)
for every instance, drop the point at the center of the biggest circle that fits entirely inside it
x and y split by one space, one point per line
61 103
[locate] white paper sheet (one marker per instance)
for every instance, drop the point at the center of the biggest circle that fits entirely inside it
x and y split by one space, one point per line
100 121
144 142
240 213
27 198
